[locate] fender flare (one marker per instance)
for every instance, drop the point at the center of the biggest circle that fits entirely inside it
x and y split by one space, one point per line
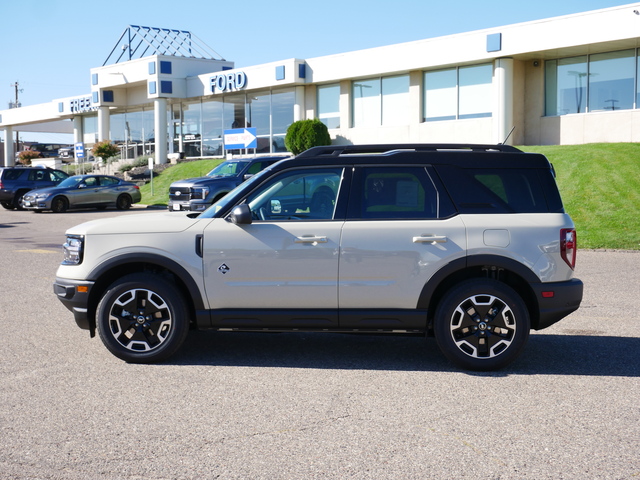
461 264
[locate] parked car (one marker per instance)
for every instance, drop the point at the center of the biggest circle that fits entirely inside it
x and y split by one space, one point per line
16 181
468 243
83 191
197 194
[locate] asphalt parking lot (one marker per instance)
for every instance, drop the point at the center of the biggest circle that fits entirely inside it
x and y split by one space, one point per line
311 406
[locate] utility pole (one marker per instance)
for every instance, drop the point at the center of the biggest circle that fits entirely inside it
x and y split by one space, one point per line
16 105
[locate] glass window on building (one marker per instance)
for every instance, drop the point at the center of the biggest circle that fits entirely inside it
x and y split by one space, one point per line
441 95
366 103
191 129
458 93
381 101
259 117
566 85
212 127
395 100
282 103
90 129
328 99
611 80
475 91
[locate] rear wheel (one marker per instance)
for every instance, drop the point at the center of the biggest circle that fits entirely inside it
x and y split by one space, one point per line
481 324
7 205
123 202
142 318
59 205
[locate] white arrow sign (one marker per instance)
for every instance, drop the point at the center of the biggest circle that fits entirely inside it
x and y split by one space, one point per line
240 138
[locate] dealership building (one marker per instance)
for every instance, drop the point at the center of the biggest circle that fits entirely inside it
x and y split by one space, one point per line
564 80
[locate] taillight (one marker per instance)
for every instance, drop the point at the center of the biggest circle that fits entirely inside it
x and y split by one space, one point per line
568 246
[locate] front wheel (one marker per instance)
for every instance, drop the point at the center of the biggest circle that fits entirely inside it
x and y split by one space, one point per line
481 324
59 205
142 319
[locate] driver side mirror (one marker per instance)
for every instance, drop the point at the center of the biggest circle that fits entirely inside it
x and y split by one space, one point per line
241 215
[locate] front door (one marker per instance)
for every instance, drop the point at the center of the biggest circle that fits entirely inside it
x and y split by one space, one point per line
284 264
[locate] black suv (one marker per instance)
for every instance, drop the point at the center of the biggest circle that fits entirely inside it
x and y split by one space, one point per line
197 194
16 181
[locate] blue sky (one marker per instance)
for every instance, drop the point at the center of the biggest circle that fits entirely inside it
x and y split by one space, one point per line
49 46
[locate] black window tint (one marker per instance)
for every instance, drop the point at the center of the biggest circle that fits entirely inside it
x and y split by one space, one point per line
506 190
395 192
38 175
12 174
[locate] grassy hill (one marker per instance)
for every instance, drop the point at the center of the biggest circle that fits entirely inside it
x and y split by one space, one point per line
599 183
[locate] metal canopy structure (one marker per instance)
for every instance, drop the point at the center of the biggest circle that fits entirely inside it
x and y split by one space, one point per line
137 41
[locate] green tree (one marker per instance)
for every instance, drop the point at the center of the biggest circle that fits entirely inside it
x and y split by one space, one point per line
304 134
105 150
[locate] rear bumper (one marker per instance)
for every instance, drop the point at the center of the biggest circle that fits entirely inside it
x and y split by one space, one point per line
74 294
566 299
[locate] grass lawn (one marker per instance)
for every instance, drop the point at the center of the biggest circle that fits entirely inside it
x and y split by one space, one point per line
599 183
600 187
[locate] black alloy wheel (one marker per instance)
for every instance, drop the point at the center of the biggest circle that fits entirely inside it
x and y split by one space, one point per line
481 324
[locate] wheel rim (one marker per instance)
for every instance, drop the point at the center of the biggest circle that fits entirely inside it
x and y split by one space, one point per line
123 202
483 326
140 320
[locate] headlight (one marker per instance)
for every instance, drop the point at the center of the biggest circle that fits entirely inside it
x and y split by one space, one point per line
200 192
41 196
73 249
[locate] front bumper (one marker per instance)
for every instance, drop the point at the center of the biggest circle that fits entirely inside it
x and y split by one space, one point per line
566 299
75 294
177 206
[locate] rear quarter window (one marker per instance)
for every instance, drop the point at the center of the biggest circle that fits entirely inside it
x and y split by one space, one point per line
506 190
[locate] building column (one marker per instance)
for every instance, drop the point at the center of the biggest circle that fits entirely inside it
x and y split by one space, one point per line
103 123
299 105
503 89
78 133
160 129
9 152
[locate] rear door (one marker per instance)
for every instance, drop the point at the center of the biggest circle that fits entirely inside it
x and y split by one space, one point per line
400 230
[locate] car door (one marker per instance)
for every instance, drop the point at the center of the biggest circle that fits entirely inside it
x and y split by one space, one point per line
400 230
110 189
86 193
281 270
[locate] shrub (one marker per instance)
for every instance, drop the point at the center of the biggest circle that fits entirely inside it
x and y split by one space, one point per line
26 156
105 150
304 134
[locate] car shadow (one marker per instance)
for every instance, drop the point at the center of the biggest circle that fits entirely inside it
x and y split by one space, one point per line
543 355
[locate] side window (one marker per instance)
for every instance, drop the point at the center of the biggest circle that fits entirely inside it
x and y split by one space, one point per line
255 168
38 176
395 193
506 190
108 181
57 176
309 194
91 181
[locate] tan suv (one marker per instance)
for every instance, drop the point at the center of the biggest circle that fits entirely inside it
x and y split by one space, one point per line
469 243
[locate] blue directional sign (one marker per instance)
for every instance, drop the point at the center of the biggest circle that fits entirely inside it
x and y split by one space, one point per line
238 138
79 150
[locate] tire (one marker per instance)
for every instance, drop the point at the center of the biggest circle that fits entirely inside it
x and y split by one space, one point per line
7 205
123 202
59 205
481 325
17 200
142 318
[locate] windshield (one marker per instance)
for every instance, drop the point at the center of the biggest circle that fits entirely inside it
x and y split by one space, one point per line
227 169
71 182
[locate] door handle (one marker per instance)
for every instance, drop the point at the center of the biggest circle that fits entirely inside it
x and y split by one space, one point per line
311 239
432 239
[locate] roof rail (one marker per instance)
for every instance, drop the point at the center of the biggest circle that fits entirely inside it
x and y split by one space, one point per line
336 150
